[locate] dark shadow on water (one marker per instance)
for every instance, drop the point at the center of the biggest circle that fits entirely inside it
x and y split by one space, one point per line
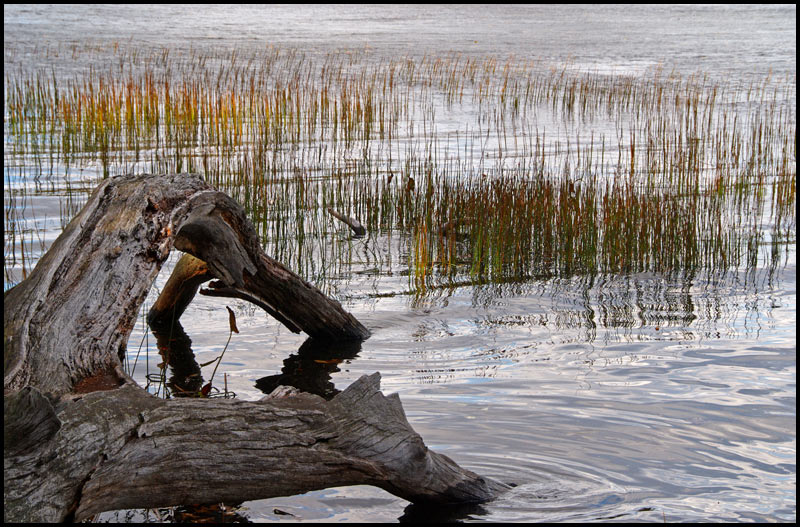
216 513
309 370
418 513
175 348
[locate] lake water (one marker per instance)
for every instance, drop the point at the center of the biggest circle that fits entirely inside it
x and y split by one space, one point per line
622 397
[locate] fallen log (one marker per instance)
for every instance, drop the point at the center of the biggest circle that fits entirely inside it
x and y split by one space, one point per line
123 448
81 437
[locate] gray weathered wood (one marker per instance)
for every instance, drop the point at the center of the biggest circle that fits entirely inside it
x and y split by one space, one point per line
126 449
181 287
79 435
355 225
110 254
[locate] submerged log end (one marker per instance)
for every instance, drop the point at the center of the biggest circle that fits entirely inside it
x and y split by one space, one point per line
374 426
180 289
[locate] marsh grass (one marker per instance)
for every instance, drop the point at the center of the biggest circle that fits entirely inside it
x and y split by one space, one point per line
484 168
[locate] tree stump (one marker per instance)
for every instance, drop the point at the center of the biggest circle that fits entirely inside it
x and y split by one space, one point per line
81 437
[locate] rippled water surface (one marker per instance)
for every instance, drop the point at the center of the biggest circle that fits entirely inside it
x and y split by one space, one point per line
639 397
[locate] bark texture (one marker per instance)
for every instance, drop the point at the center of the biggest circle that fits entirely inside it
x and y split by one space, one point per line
80 437
187 276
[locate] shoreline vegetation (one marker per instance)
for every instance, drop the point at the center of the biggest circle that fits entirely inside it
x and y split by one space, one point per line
483 168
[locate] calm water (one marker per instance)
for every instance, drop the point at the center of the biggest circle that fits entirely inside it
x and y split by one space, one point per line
636 397
735 39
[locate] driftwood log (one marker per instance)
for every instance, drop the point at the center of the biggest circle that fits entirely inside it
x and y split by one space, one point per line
354 224
81 437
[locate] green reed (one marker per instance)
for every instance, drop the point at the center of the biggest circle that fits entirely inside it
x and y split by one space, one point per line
496 169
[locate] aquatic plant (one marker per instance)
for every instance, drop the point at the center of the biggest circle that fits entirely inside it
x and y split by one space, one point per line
482 167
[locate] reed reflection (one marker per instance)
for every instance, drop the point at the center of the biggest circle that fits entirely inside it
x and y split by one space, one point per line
621 303
491 330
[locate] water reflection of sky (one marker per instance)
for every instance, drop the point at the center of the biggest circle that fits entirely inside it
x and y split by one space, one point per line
724 39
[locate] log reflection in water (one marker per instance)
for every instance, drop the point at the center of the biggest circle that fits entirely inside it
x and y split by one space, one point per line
309 370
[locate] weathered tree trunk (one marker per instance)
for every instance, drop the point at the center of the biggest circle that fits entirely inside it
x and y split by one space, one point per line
80 437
